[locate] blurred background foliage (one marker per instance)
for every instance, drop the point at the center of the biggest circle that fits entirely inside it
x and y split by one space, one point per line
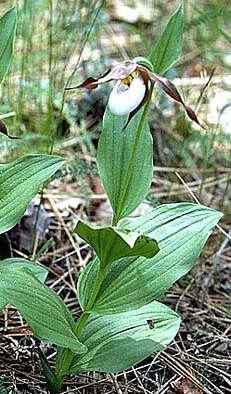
61 42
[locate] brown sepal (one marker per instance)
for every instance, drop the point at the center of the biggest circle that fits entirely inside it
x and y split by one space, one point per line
191 114
3 130
89 83
170 89
92 83
119 71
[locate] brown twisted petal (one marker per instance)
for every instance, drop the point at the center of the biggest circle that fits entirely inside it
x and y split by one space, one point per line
119 71
132 113
170 89
3 130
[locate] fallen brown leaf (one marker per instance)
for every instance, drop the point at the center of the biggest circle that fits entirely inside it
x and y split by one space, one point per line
186 387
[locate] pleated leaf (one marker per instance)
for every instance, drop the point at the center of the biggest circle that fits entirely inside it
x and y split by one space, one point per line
7 34
125 185
44 311
117 342
167 50
181 231
111 243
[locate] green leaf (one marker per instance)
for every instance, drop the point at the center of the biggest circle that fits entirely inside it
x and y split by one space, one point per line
7 34
86 282
168 48
44 310
181 231
111 243
143 61
15 263
20 180
126 187
116 342
52 383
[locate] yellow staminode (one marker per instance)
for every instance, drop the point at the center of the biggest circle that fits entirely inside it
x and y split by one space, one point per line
128 80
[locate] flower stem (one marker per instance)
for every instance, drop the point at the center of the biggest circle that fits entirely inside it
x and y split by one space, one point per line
68 357
132 160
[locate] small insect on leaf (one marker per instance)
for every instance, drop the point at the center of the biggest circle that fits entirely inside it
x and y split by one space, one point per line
151 324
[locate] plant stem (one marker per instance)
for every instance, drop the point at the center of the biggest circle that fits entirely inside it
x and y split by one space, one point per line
132 160
68 357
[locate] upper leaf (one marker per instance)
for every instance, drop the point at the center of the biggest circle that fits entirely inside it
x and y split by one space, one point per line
126 187
20 180
42 308
111 243
7 33
168 48
181 231
116 342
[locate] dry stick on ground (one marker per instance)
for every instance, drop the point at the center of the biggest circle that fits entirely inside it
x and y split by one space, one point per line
176 189
166 385
221 373
183 294
60 218
62 279
139 381
178 367
116 384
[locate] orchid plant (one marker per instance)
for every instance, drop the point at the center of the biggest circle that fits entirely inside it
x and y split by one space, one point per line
137 260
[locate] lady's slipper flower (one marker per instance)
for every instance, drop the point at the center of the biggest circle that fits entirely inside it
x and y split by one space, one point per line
127 95
133 87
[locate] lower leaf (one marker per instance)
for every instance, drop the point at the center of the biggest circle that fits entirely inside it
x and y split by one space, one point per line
116 342
44 310
181 231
